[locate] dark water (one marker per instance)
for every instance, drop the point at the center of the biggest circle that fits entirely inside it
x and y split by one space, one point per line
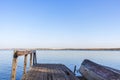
69 58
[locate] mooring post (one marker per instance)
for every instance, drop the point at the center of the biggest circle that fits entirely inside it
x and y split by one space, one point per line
34 58
30 60
14 66
25 64
74 69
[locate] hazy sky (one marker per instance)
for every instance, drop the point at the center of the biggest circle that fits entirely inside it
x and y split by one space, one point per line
59 23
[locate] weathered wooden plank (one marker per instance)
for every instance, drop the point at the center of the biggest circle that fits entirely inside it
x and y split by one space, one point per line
81 78
93 71
24 52
114 70
49 72
69 73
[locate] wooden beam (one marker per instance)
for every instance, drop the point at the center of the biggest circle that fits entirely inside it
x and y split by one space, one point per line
21 53
93 71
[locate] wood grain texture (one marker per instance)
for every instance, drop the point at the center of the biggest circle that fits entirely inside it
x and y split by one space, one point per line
93 71
49 72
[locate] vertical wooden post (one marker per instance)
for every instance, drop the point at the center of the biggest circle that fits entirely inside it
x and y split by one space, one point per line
74 69
25 64
14 66
34 58
31 60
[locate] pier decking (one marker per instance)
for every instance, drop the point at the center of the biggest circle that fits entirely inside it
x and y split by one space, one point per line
49 72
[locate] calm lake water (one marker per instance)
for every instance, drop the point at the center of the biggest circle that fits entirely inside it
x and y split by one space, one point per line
69 58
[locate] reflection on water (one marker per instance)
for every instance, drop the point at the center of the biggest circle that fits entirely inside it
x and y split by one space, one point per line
69 58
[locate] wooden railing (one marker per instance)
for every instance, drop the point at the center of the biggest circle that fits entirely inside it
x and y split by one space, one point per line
25 53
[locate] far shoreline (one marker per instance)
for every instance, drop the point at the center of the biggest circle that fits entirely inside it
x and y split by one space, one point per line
72 49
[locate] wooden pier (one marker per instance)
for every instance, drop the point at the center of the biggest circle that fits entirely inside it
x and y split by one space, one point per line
88 69
41 71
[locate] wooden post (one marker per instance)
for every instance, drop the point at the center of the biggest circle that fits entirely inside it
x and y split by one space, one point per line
14 66
30 60
34 58
74 69
25 64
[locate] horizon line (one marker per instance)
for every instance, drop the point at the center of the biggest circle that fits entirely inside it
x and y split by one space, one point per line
59 48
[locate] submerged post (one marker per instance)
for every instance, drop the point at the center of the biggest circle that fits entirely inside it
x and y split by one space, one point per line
14 66
25 64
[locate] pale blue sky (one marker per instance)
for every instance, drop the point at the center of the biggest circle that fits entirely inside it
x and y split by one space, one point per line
59 23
